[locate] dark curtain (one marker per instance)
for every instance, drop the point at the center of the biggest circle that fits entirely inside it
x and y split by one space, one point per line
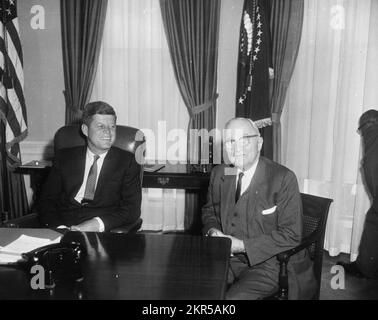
286 30
82 29
13 198
192 30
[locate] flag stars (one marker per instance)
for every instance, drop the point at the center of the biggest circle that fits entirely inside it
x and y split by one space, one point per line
241 100
254 57
259 33
257 49
258 41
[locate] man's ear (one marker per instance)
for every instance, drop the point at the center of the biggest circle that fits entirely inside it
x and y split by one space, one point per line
260 143
84 129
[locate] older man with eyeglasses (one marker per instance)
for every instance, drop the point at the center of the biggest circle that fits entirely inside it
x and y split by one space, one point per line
257 204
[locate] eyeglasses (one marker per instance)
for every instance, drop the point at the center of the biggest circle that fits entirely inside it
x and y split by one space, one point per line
244 141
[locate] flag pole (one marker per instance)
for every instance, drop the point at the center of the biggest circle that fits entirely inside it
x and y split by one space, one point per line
4 176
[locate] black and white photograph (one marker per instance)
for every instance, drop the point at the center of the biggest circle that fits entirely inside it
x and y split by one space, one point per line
188 155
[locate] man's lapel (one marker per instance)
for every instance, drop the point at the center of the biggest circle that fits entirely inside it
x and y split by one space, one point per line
258 179
76 169
105 171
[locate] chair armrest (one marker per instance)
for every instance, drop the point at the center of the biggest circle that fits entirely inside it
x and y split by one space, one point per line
28 221
306 242
129 228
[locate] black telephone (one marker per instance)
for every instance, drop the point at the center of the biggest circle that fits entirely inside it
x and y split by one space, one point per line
61 262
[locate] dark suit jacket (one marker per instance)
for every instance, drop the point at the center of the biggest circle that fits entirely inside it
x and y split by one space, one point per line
273 189
117 198
367 260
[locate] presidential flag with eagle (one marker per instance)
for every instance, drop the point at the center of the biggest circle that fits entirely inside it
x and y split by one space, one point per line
254 63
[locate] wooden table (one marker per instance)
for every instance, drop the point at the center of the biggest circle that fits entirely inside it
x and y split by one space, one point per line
141 266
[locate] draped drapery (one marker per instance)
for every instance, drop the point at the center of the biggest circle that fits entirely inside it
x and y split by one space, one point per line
192 30
334 82
18 205
82 28
286 30
13 199
136 77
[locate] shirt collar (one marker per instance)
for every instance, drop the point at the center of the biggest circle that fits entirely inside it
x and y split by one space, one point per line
250 172
90 154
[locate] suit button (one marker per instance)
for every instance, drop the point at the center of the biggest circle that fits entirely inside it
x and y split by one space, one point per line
233 224
235 214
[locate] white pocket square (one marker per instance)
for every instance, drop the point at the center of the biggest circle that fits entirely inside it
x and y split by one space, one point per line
269 211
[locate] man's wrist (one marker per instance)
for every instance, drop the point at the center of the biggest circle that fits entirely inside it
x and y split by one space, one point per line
101 224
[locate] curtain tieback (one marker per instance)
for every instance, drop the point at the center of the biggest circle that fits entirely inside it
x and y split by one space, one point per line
69 104
202 107
276 116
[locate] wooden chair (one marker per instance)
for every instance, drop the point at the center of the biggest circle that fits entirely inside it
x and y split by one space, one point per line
315 213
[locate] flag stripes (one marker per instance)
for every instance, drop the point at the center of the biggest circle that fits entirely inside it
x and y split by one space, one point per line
12 100
13 33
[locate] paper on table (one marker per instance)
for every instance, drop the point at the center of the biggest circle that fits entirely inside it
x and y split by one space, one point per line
11 253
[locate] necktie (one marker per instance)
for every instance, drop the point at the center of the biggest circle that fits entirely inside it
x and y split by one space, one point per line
91 181
238 187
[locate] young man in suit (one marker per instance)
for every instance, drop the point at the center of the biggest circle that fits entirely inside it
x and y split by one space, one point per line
95 187
257 204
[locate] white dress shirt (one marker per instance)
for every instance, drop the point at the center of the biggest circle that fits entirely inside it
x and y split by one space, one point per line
88 163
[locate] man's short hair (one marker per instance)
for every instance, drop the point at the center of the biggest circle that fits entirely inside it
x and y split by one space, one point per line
253 124
96 107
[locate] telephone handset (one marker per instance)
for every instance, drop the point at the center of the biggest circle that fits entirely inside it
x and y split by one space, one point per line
61 262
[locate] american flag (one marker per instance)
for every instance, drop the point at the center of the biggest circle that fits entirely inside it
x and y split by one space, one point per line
12 101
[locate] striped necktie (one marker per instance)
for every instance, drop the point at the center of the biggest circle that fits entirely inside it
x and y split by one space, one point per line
238 187
91 181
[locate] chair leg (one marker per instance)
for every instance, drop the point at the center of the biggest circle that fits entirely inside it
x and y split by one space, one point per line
283 281
283 289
